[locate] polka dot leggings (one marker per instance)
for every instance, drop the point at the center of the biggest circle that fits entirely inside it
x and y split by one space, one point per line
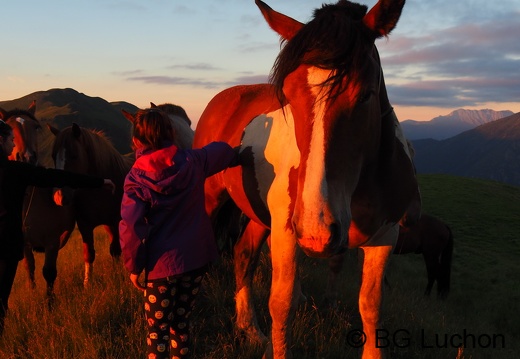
168 306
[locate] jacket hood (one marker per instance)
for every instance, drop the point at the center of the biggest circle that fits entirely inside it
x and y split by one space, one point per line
163 171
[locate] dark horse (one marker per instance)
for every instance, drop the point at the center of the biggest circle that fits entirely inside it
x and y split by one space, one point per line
324 165
47 227
430 237
88 151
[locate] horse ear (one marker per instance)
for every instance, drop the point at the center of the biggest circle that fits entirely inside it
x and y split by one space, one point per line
152 105
32 107
53 129
128 115
76 131
3 114
383 17
284 25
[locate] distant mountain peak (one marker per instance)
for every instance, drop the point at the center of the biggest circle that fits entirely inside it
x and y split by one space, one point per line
457 121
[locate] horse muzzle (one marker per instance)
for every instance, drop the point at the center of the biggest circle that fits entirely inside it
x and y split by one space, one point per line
328 244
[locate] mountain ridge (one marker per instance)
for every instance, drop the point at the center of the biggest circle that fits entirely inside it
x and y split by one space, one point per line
446 126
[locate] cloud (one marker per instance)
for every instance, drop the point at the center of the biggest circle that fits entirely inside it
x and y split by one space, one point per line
464 65
195 66
175 80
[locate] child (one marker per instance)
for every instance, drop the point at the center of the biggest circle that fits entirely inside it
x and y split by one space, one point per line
165 230
15 177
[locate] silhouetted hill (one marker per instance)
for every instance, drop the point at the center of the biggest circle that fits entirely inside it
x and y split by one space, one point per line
61 107
442 127
490 151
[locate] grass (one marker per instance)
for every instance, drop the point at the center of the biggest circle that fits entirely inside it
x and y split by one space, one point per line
105 320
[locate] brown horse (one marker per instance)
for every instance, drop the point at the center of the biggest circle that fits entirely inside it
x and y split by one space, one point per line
87 151
47 227
430 237
25 129
324 167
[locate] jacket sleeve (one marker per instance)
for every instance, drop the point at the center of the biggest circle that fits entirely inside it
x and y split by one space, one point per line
133 229
219 156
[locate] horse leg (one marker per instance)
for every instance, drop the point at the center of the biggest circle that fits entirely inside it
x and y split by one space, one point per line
432 267
375 260
29 265
50 272
285 295
115 245
89 253
246 254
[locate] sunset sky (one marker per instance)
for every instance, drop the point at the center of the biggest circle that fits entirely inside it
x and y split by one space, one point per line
442 56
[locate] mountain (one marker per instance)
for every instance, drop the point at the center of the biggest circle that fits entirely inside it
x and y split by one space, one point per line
61 107
442 127
490 151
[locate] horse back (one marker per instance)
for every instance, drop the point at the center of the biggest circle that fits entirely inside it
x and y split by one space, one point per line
231 110
224 119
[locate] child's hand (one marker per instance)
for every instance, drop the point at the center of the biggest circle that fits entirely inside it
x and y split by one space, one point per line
134 278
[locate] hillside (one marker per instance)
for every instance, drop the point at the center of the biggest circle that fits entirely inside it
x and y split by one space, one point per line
61 107
490 151
443 127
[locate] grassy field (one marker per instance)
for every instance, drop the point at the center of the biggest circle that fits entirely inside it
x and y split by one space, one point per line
482 310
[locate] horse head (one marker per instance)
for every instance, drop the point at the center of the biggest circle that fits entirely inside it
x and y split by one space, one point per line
25 130
71 153
328 78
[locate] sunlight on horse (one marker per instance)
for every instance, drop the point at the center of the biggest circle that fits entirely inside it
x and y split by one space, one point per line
324 166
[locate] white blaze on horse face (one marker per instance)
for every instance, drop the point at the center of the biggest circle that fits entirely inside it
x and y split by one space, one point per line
60 160
316 218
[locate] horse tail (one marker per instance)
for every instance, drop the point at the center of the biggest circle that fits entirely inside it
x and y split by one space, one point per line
443 279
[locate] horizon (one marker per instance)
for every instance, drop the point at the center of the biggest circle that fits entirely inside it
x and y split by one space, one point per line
442 56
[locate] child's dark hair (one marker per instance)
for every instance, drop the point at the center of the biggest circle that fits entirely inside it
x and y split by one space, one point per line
153 128
5 129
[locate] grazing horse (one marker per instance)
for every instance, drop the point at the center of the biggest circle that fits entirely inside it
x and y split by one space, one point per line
87 151
46 226
430 237
324 166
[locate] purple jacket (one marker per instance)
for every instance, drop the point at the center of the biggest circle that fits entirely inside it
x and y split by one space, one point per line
164 228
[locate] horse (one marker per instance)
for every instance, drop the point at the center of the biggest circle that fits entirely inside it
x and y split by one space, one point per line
87 151
46 226
428 236
181 123
324 165
432 238
25 128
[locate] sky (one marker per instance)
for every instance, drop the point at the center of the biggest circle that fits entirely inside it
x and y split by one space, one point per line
443 55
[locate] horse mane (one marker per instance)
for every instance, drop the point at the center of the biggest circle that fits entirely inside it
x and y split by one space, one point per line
100 151
335 39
